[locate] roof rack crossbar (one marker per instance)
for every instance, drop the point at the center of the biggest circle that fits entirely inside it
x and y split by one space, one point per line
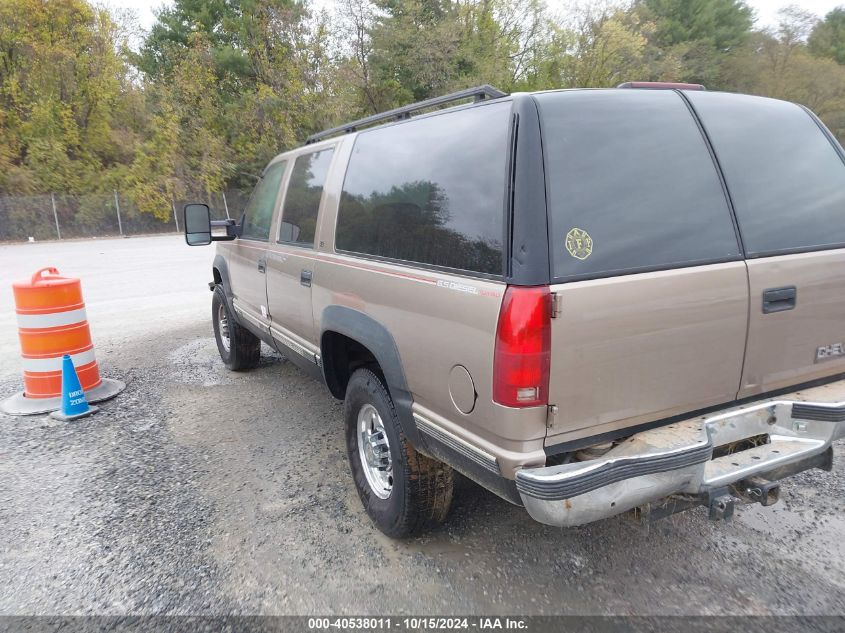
479 93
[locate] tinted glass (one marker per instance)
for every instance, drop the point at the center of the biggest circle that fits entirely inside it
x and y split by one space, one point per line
786 179
631 184
302 201
262 202
430 191
197 219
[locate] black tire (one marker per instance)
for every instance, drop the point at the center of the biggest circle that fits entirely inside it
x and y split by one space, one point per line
421 491
244 347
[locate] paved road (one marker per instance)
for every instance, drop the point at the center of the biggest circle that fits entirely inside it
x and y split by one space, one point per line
204 491
130 286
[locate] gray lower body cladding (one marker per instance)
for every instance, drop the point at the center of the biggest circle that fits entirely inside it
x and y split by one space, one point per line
470 461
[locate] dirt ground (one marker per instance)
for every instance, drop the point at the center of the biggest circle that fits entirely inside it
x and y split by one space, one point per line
200 491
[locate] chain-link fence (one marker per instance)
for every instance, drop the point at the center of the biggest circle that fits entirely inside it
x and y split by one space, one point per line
56 216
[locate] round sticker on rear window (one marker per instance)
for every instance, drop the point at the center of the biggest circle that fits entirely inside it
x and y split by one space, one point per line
579 243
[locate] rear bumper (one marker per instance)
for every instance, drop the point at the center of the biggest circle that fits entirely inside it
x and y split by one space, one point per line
675 464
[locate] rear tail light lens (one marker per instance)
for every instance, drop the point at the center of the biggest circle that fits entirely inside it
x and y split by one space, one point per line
523 348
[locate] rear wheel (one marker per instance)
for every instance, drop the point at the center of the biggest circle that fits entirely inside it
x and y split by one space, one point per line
239 348
402 490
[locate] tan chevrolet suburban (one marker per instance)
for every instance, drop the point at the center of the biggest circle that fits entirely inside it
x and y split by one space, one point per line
587 301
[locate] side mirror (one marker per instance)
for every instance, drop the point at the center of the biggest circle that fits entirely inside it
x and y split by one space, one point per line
197 224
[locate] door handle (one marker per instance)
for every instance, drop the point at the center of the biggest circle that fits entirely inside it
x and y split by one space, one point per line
262 265
305 278
779 299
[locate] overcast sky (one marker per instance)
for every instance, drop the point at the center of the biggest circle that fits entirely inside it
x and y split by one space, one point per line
766 9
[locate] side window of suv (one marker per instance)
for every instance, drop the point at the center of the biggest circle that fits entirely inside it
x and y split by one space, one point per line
786 178
430 191
262 202
631 185
302 201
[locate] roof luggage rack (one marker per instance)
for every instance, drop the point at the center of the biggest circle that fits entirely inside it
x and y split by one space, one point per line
660 85
479 93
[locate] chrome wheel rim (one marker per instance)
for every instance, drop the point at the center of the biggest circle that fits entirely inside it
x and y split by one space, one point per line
374 451
223 326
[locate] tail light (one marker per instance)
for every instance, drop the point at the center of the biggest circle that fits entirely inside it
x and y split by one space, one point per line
523 348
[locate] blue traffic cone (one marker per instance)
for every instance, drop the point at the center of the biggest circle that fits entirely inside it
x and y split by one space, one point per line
74 403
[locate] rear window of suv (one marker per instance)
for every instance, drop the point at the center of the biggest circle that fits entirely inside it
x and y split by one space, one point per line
430 191
631 184
785 177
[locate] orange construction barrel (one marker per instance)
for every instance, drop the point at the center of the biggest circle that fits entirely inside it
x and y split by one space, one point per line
51 323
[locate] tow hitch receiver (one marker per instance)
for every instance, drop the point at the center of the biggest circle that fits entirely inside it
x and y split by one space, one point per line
757 489
720 502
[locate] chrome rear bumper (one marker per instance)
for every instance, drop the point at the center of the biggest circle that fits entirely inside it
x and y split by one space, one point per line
676 462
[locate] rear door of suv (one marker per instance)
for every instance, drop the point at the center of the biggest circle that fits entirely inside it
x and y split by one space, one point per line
290 257
786 177
652 290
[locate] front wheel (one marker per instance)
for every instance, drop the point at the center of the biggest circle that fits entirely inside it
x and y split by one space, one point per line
402 490
239 348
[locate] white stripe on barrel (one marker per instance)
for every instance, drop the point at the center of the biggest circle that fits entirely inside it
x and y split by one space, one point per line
55 319
55 363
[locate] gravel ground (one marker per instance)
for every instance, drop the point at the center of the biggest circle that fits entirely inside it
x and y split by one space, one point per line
200 491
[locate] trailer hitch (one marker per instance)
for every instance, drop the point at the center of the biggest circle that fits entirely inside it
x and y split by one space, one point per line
758 490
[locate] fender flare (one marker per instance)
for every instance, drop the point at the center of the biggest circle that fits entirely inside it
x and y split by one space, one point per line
365 330
222 267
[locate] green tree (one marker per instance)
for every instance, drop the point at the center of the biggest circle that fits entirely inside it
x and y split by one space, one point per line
218 87
61 93
409 50
607 50
699 34
185 154
414 49
778 64
269 70
828 37
225 24
720 24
